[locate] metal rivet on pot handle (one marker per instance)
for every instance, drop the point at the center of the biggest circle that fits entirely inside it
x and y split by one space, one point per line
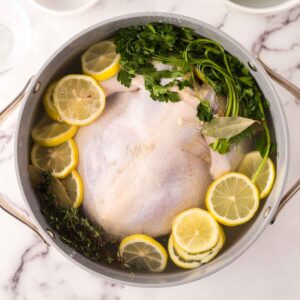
289 194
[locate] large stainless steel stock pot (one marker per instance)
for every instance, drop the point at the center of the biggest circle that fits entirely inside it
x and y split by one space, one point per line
64 61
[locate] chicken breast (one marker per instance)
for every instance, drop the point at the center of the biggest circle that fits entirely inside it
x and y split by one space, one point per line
142 163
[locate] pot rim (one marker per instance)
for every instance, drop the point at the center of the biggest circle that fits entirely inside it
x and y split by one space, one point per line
146 280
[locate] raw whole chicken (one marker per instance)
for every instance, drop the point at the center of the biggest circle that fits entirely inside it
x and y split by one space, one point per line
142 161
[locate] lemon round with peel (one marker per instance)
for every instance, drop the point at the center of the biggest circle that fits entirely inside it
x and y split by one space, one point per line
48 103
143 252
78 99
101 61
188 256
266 177
232 199
49 133
60 160
202 255
74 187
195 230
215 251
178 260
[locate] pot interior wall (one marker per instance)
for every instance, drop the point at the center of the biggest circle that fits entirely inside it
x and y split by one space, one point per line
66 61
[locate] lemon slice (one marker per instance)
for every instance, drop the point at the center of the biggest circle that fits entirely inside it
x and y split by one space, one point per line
74 188
266 177
178 260
195 230
79 99
59 160
143 252
215 251
48 103
101 61
188 256
200 256
232 199
49 133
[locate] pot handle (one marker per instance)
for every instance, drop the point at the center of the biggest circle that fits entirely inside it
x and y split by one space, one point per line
10 108
10 209
295 91
290 87
285 199
4 203
14 212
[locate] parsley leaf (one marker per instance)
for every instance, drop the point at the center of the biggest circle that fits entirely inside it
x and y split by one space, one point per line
204 111
125 78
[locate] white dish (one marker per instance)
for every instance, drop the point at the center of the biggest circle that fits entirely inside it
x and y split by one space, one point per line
262 6
64 7
15 35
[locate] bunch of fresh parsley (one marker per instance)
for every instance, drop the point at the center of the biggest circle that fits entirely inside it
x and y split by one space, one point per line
140 45
188 53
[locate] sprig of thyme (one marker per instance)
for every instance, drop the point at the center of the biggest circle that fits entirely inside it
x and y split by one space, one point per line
75 229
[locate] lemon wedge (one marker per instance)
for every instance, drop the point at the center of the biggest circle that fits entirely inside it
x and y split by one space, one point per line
232 199
59 160
74 188
101 61
266 177
48 103
78 99
49 133
143 252
178 260
195 230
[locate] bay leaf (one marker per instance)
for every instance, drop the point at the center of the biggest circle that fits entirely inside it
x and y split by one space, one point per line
56 187
226 127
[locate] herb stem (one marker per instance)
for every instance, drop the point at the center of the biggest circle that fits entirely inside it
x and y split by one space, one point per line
229 99
268 146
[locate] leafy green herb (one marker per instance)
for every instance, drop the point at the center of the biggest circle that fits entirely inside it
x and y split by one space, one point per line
260 143
74 228
246 134
222 146
204 111
139 46
187 52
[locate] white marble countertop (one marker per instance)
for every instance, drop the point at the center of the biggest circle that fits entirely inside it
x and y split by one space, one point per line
270 269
